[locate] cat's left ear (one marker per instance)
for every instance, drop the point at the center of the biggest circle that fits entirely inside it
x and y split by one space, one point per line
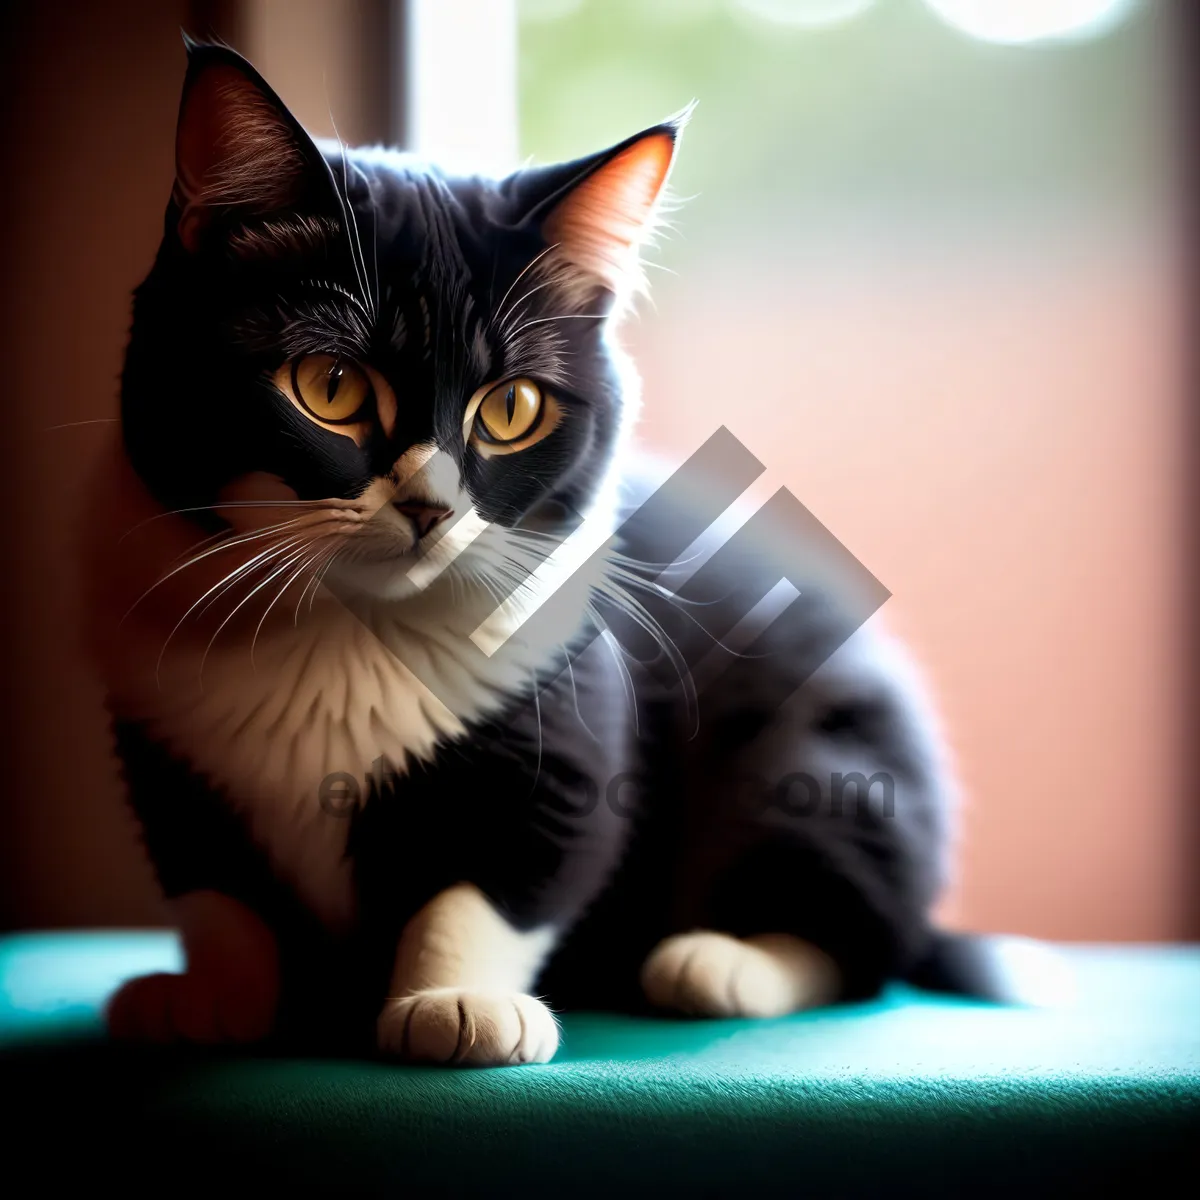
239 152
598 212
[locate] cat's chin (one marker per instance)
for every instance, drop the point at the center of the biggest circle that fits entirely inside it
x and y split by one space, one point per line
389 578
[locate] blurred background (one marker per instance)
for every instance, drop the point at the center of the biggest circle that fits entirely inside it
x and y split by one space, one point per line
927 267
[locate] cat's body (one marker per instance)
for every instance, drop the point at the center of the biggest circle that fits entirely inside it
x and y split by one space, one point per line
377 791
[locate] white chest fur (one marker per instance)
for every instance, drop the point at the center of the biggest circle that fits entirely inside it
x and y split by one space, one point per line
332 694
267 701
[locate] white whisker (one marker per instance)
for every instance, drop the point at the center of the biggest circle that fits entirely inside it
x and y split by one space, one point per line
341 505
317 562
267 554
278 570
241 539
77 424
226 545
502 327
500 314
355 241
262 620
561 317
319 576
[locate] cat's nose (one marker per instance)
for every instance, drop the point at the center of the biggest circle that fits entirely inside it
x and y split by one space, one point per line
422 515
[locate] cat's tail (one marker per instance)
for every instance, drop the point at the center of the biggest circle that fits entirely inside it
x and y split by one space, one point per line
1004 969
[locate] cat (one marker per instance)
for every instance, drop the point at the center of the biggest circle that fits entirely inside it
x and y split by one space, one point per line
405 709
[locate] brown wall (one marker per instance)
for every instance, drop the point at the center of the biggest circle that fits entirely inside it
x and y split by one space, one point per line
90 96
88 126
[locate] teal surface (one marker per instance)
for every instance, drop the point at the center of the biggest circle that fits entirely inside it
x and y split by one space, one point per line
910 1092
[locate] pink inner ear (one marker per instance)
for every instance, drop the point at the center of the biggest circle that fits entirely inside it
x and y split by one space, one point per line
232 149
604 220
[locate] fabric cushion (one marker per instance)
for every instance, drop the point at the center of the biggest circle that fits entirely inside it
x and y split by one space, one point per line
910 1092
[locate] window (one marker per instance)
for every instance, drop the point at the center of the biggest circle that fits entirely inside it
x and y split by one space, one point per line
924 269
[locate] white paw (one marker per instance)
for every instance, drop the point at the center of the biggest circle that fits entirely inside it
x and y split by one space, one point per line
456 1025
715 975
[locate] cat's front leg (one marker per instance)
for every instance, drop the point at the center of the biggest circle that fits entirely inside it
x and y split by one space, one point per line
459 990
228 992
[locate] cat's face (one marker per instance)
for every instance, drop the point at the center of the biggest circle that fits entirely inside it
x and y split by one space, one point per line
406 359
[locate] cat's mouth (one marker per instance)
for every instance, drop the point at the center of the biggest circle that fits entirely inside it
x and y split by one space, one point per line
392 540
388 558
395 537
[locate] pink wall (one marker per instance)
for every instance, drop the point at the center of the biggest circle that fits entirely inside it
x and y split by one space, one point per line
997 436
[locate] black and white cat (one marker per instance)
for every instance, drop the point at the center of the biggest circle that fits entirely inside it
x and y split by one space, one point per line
406 714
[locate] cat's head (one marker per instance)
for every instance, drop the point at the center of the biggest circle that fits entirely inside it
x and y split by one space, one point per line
352 333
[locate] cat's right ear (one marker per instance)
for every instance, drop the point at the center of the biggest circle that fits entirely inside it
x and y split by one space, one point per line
239 153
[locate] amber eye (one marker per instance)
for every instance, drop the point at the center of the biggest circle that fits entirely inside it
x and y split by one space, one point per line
334 390
509 412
